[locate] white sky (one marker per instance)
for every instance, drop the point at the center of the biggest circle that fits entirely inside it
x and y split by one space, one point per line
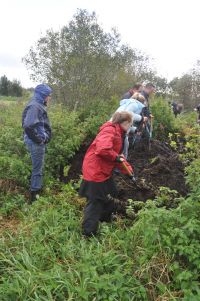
166 30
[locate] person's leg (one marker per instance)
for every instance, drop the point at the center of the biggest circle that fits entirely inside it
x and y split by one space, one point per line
37 153
126 141
92 214
108 209
126 146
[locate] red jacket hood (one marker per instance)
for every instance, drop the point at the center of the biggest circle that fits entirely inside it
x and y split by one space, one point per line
110 124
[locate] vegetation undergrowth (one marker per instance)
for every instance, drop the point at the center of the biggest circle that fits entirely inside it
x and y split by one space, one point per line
43 255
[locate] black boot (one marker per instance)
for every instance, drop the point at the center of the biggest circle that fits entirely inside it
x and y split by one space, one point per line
34 195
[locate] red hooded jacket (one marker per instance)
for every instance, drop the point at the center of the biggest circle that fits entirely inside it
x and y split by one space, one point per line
100 158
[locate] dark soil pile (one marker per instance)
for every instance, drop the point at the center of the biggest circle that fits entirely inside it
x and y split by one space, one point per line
159 166
154 167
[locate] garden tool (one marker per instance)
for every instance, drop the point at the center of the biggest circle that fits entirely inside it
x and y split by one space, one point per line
151 126
130 174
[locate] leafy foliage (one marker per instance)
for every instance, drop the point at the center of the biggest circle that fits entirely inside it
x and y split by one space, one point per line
84 63
163 120
10 88
152 255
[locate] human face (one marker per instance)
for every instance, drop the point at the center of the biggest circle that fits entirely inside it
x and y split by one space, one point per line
125 125
47 99
152 90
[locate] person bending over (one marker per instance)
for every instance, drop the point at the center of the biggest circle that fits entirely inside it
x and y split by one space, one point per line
101 158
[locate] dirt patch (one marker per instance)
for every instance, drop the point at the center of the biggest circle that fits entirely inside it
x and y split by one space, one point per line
159 166
154 167
9 224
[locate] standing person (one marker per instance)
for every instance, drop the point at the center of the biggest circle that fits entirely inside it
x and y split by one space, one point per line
37 133
148 90
177 108
103 155
136 88
197 109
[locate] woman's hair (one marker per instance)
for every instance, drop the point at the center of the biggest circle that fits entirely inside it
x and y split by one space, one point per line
119 117
139 97
137 86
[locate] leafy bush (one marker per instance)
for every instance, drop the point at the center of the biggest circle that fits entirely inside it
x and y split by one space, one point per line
12 168
193 176
163 121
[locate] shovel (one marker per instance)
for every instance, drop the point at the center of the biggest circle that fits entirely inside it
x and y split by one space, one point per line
131 175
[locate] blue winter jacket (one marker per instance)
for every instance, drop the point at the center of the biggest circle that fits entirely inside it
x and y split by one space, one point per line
35 121
131 105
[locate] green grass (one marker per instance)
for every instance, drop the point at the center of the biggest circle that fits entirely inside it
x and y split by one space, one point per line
47 258
151 256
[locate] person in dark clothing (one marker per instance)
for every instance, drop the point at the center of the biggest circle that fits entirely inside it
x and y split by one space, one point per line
148 90
176 108
101 158
197 109
136 88
37 133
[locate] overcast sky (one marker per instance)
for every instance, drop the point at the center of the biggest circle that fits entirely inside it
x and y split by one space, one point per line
166 30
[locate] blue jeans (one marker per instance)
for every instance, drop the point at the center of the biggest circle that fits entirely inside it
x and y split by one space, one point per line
37 153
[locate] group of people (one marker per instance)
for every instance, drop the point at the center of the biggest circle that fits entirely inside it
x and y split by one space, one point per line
106 153
138 106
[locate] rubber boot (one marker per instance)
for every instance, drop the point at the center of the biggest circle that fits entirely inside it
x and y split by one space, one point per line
34 195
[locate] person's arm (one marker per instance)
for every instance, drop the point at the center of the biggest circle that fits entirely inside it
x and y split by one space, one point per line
123 165
104 144
31 123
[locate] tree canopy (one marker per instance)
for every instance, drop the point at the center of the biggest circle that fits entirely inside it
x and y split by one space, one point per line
83 62
10 88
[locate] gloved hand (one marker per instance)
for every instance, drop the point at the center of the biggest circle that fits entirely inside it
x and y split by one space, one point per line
120 158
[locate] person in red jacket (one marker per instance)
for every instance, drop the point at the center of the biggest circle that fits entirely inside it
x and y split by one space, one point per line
102 157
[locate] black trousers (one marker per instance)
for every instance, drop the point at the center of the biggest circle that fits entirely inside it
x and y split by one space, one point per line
96 211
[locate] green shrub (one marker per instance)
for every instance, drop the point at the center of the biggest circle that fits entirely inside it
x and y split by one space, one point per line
163 121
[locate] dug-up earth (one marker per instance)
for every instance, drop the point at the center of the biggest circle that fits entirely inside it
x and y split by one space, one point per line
154 167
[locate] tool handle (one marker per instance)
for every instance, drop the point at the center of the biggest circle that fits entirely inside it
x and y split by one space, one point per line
126 168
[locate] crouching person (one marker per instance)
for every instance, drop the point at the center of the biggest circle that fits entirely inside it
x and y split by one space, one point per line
102 156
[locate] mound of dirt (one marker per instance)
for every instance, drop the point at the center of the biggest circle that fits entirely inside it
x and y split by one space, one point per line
155 167
159 166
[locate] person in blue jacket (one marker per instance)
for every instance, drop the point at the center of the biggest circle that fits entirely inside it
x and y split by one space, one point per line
135 106
37 133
